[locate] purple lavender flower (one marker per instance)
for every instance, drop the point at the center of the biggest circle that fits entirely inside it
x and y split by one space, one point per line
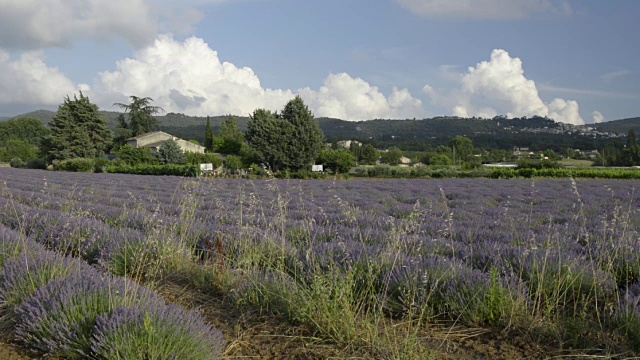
157 331
58 319
23 276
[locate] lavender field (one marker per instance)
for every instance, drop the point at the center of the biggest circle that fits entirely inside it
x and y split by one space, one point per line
555 261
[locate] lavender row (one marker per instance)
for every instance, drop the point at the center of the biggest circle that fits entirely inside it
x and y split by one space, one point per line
578 240
63 307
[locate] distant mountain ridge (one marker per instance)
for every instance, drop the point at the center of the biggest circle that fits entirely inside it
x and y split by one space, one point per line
499 133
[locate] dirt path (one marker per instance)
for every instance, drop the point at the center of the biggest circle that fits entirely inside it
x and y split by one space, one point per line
10 352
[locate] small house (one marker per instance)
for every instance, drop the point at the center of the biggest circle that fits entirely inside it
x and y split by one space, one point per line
153 141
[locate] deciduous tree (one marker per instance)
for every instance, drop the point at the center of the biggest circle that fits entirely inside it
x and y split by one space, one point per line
368 155
340 160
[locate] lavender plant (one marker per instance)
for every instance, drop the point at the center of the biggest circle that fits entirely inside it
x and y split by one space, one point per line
58 319
13 244
23 276
156 331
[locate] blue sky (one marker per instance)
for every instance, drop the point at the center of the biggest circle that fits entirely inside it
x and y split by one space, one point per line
574 61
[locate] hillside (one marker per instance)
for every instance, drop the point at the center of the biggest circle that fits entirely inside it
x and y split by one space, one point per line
622 126
536 133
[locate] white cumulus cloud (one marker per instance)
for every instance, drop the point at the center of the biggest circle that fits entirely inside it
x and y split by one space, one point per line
27 80
189 77
345 97
36 24
597 117
484 9
499 86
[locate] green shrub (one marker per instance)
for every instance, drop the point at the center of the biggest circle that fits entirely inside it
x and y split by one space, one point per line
16 162
75 165
256 170
133 156
207 158
525 163
37 164
144 169
171 153
233 163
100 165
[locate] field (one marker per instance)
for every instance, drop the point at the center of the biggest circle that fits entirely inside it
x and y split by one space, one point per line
394 269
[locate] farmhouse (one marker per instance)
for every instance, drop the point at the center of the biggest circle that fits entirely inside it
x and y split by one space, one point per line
154 140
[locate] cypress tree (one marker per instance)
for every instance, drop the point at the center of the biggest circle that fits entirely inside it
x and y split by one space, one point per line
305 140
208 136
292 140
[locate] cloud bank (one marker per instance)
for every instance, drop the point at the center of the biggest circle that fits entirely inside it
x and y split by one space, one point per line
484 9
499 86
37 24
28 80
189 77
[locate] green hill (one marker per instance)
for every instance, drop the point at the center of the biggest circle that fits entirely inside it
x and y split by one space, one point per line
537 133
621 126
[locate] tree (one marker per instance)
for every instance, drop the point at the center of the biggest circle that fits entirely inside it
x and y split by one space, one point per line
17 149
339 160
551 155
291 140
233 163
141 118
435 158
28 130
77 130
208 136
231 137
305 139
121 134
171 153
265 134
461 148
632 152
391 156
368 155
356 149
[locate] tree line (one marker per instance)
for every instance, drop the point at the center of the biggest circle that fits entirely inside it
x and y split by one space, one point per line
290 139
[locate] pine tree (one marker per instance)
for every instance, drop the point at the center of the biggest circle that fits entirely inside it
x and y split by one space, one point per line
77 130
208 136
141 118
